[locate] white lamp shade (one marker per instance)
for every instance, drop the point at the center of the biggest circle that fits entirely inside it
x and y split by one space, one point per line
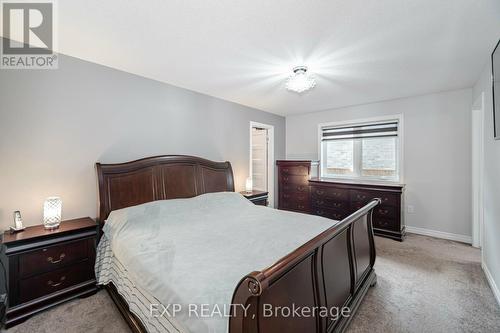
52 208
249 185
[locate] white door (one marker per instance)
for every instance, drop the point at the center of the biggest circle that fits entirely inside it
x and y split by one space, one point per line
259 158
261 168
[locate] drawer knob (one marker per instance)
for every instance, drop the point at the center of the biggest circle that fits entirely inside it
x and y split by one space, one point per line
383 211
52 261
383 223
55 284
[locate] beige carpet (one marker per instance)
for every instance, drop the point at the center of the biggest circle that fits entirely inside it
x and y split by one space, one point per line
424 285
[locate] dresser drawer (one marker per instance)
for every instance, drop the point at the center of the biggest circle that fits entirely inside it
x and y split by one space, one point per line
47 283
384 211
330 203
52 257
296 180
295 205
362 197
295 196
289 188
298 170
330 192
389 199
384 223
335 214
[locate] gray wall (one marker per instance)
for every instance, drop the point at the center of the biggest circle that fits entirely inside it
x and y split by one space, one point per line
491 194
437 153
55 124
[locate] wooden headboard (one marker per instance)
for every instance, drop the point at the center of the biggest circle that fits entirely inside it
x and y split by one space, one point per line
158 178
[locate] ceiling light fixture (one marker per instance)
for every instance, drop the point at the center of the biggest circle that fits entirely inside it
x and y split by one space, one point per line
300 81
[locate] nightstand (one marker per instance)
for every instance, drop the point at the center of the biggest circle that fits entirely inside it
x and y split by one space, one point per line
257 197
44 268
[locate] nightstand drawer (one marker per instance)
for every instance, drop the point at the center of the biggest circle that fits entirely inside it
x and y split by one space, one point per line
52 257
260 202
47 283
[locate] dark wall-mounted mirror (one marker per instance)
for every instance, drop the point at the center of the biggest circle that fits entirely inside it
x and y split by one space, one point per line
495 59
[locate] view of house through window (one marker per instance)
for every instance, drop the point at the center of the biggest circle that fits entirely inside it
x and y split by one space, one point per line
368 151
340 157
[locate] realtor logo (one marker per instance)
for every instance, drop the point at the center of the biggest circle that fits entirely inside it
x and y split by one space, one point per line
28 35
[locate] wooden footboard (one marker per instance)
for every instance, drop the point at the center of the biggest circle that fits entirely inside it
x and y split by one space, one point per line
316 288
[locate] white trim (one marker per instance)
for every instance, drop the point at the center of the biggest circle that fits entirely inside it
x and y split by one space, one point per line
398 117
491 282
439 234
477 117
270 160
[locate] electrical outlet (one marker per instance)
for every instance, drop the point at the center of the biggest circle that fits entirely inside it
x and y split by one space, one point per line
410 209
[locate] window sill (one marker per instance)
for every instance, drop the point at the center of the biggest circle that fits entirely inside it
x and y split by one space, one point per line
361 181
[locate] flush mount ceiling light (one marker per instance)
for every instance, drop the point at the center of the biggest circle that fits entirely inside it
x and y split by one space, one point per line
300 81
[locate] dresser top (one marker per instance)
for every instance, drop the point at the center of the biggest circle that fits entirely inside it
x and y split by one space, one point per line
290 162
357 182
39 232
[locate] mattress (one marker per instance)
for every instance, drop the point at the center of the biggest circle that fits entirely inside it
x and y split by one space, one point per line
190 254
109 269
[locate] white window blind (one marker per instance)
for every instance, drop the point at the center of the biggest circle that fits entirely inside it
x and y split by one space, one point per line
379 130
369 151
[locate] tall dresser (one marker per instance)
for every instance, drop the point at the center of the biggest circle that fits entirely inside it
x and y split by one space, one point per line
293 184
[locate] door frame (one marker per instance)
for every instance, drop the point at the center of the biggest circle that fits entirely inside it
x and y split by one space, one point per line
477 138
270 157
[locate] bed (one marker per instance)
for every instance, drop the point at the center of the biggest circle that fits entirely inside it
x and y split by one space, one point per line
175 233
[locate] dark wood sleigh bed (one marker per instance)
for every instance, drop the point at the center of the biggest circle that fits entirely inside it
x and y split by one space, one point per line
332 270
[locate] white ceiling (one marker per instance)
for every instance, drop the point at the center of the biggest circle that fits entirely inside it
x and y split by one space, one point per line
360 50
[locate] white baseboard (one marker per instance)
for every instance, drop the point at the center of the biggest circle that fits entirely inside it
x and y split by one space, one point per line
492 283
439 234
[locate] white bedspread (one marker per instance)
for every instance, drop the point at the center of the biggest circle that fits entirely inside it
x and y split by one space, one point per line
195 251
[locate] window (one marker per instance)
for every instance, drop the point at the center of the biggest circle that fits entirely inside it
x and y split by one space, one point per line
365 150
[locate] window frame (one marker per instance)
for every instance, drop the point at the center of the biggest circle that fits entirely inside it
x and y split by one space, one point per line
358 151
